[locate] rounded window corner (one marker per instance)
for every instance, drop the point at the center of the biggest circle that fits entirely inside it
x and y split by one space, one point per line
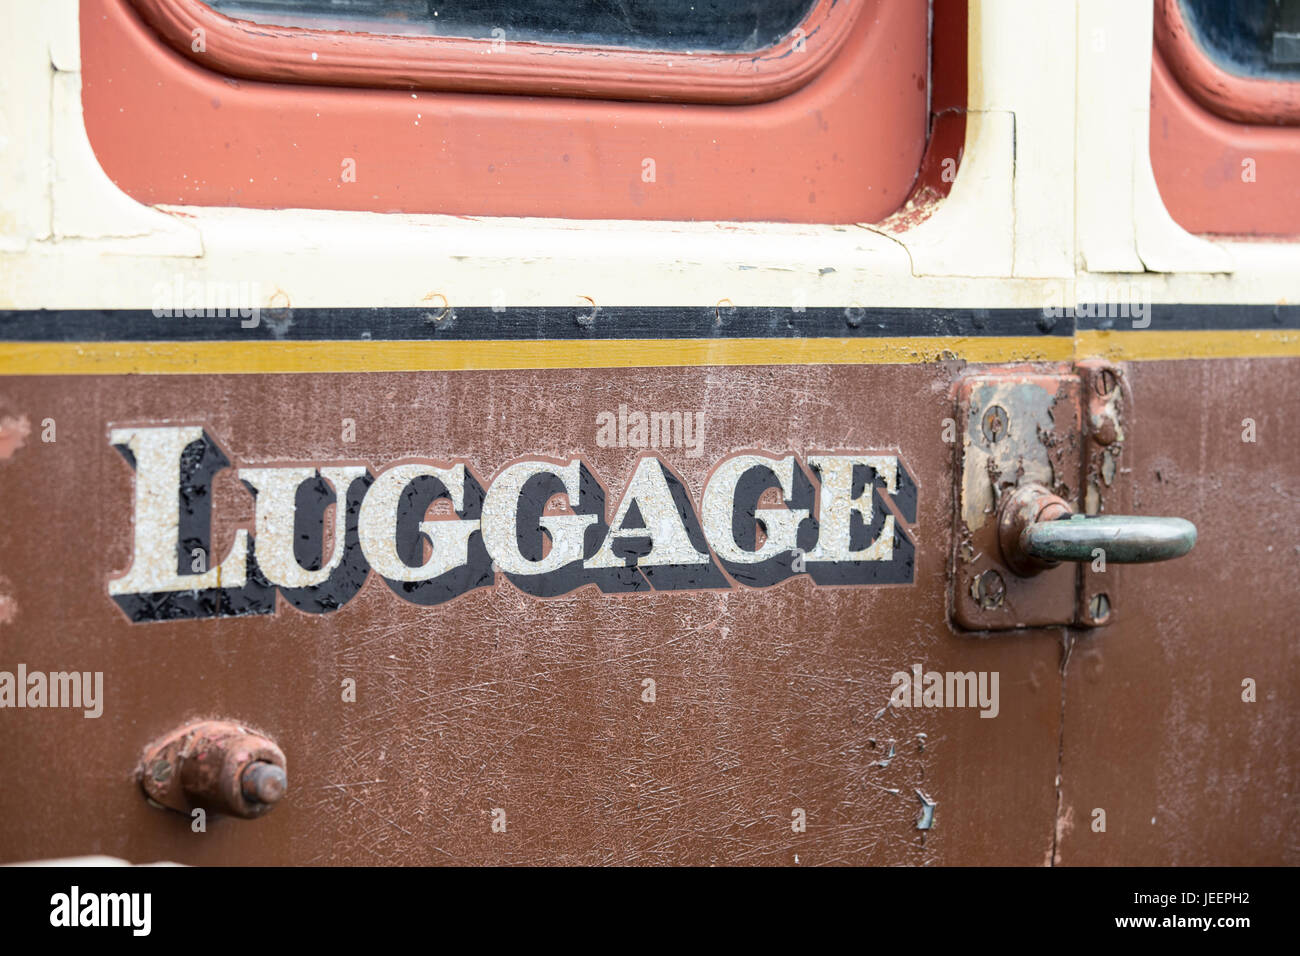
1218 176
1241 99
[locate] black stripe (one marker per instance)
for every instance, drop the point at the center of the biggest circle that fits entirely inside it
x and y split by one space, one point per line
623 322
527 324
1169 317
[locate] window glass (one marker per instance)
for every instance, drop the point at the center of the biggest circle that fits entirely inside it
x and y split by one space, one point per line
720 26
1253 38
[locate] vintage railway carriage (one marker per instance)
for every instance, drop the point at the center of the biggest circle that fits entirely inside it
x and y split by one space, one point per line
654 432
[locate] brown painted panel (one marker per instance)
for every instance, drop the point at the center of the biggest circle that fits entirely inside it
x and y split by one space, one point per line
1156 732
766 699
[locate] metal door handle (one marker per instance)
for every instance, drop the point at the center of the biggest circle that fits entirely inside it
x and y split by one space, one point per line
1125 539
1038 530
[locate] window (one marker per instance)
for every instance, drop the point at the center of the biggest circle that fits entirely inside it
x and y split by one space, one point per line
1236 60
686 51
1258 38
720 26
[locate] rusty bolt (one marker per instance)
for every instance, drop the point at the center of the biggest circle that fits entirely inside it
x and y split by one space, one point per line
1099 608
219 765
990 589
263 782
995 423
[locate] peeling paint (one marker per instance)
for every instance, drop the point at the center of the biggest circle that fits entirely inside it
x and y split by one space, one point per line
13 435
988 464
925 819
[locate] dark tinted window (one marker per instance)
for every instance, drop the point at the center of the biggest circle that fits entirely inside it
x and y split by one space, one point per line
1259 38
704 25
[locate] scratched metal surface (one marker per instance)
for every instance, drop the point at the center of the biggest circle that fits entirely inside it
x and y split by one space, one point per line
1156 732
766 699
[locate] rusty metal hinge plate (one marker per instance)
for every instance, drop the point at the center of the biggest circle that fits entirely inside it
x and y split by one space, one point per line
1062 429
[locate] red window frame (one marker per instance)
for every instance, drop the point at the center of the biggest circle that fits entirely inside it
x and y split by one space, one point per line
1225 149
259 51
843 147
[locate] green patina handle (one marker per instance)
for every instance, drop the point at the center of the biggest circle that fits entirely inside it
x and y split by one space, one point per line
1125 539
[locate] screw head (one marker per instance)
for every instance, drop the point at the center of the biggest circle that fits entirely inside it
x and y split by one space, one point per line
1099 608
994 423
990 589
1106 382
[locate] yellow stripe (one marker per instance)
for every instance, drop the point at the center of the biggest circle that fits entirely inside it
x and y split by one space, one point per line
1148 345
233 358
182 358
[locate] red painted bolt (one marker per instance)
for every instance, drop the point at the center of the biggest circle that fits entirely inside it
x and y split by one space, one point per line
219 765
